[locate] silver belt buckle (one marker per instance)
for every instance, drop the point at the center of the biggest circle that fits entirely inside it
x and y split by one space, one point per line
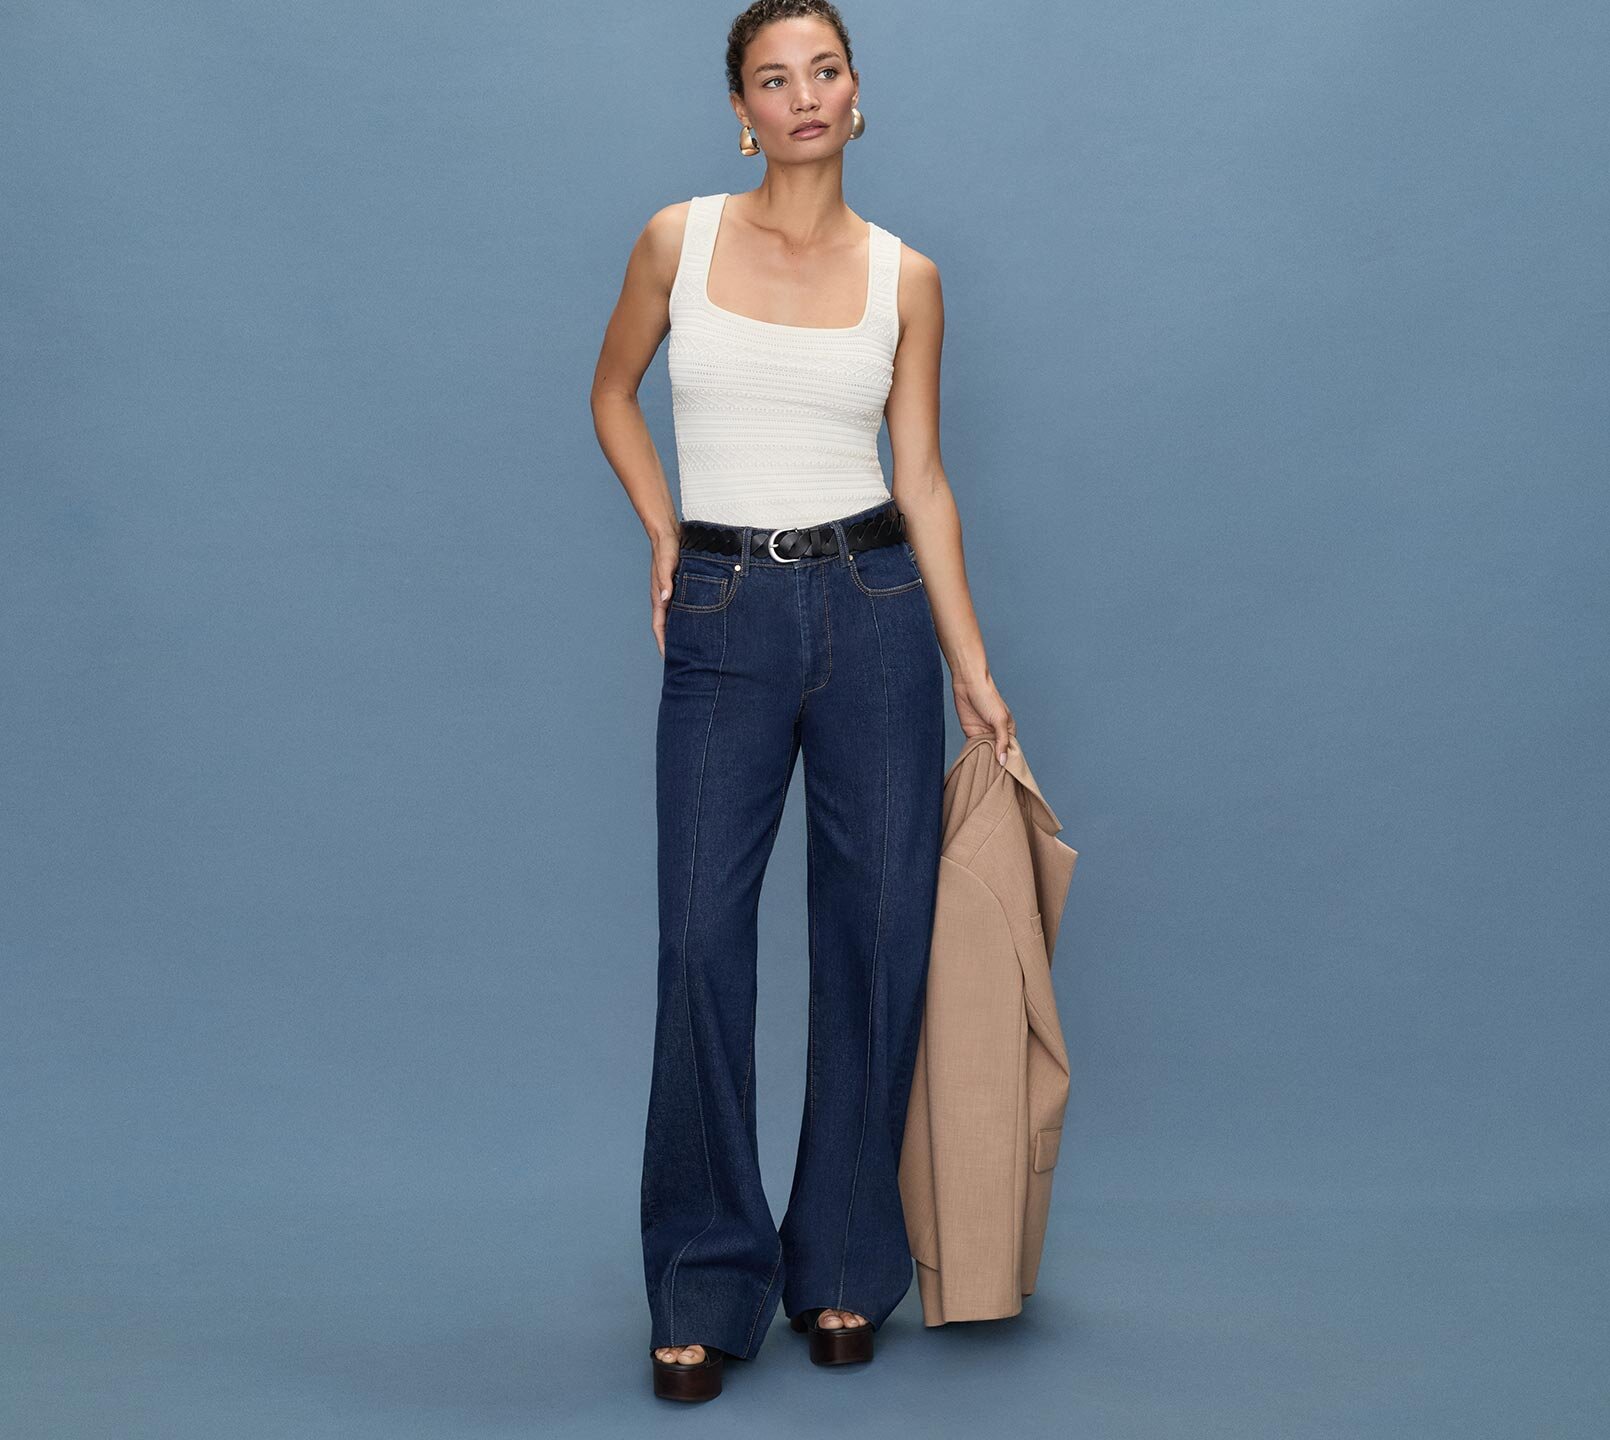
771 547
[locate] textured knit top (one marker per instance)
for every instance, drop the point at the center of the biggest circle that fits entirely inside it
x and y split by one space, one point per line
777 425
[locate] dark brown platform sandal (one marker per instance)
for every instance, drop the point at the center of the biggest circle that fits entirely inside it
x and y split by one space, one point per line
841 1345
674 1381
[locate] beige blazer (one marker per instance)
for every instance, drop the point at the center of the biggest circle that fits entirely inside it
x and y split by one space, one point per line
991 1079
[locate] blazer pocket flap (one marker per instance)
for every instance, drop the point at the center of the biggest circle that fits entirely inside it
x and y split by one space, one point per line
1046 1143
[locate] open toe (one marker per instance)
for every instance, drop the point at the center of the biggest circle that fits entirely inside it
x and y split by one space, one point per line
846 1342
678 1379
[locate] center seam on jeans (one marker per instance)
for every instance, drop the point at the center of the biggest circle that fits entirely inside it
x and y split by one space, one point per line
693 1048
772 1280
749 1067
872 987
810 985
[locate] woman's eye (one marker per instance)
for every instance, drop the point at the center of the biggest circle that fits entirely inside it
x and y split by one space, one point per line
826 70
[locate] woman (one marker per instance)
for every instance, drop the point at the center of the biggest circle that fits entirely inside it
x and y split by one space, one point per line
800 606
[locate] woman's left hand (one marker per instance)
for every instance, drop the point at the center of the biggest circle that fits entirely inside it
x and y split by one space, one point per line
981 711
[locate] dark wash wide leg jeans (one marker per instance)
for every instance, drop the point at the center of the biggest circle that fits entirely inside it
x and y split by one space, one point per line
835 657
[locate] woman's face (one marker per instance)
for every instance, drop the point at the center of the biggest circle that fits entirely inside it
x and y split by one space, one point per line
795 75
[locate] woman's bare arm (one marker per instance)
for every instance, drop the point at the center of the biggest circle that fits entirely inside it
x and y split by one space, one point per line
923 493
641 320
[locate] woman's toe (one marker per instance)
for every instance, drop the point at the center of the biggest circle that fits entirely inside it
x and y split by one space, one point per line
680 1354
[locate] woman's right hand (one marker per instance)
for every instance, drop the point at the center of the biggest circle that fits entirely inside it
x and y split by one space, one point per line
662 574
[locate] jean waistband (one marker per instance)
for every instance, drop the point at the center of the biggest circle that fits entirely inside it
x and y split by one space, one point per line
881 524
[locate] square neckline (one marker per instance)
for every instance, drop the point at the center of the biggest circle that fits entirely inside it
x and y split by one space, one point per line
709 259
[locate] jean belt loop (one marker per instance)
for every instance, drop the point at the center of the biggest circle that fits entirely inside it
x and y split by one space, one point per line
844 547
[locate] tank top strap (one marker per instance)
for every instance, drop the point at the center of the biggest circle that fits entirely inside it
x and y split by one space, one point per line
704 215
698 242
884 277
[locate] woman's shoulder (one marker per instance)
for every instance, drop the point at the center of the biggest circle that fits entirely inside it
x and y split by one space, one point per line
919 275
918 296
910 256
661 238
912 260
670 220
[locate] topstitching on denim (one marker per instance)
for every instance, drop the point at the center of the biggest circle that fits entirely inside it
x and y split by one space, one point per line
827 630
749 1068
810 964
749 1339
899 589
877 941
687 1002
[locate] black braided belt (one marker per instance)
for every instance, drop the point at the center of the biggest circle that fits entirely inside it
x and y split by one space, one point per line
884 528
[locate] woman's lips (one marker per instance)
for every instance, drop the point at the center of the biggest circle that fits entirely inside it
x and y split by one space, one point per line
808 131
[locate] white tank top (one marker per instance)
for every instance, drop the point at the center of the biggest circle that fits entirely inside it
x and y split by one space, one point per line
777 425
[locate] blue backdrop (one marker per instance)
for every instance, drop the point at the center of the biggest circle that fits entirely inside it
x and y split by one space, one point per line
1276 406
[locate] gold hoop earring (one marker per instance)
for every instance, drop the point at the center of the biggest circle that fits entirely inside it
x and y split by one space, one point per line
747 147
857 123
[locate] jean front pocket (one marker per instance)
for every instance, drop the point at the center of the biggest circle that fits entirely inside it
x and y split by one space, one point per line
703 583
887 570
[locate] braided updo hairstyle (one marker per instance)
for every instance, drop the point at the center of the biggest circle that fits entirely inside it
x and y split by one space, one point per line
763 12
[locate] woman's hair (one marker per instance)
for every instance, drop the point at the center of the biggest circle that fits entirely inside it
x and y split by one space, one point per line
763 12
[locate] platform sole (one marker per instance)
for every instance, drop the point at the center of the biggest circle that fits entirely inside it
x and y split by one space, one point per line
844 1345
688 1382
